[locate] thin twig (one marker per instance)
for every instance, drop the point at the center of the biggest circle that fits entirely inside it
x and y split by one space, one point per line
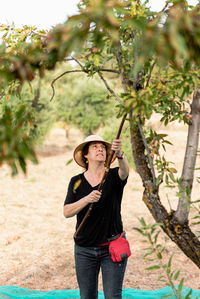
169 203
99 69
109 71
109 89
68 59
150 73
166 4
66 72
103 79
76 71
78 62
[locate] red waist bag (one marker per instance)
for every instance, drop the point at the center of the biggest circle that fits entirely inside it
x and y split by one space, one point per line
119 249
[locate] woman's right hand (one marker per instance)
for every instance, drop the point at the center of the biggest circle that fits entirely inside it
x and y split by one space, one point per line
94 196
74 208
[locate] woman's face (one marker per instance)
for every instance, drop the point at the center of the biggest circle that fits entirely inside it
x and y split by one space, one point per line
96 152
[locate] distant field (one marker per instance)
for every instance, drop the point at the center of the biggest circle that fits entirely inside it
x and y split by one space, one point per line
37 241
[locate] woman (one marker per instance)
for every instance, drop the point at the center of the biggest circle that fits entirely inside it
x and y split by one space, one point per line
104 222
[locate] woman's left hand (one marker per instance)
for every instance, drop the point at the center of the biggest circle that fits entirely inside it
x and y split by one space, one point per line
122 160
117 146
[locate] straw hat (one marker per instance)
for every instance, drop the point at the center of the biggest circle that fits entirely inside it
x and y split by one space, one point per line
78 150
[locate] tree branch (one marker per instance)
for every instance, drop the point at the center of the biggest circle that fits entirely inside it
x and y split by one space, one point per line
150 73
119 61
78 62
189 160
83 70
109 89
99 69
166 4
67 72
108 70
135 86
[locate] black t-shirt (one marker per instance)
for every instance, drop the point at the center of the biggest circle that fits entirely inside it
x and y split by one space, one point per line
105 218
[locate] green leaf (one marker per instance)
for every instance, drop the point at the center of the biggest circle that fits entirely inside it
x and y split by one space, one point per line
168 142
69 162
169 265
188 294
180 287
156 267
142 221
148 253
22 163
157 181
158 224
140 231
172 177
14 169
162 278
176 275
170 261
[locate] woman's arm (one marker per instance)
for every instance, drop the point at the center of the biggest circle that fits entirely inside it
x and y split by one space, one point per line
122 160
72 209
123 167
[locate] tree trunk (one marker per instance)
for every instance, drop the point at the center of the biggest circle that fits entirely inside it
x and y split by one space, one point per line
190 160
179 233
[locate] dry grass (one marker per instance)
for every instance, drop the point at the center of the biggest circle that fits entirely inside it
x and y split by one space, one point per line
37 241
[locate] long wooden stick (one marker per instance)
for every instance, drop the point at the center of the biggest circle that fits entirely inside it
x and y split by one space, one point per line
107 167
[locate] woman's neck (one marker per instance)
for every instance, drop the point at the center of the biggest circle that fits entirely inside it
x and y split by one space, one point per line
96 170
94 175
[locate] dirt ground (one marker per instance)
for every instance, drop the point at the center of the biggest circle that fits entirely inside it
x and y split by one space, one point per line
37 241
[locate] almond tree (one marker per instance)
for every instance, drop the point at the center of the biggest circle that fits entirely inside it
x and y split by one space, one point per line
156 58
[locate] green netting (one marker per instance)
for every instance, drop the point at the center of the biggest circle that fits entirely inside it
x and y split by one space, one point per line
16 292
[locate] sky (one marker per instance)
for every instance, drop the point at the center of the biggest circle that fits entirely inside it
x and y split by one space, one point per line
45 14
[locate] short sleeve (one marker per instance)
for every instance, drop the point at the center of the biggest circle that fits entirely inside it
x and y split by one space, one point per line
70 197
119 180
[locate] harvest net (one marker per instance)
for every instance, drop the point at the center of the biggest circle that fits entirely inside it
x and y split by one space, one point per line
16 292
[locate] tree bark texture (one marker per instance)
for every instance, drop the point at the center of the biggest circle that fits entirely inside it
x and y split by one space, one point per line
190 159
179 233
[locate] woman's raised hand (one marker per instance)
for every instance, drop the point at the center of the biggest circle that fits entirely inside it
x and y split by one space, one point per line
117 146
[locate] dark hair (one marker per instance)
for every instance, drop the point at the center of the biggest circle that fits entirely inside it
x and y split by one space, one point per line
85 152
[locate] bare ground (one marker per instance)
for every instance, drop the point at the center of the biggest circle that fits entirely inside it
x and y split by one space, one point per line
37 241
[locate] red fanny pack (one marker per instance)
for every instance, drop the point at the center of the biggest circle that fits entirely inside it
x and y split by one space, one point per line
119 249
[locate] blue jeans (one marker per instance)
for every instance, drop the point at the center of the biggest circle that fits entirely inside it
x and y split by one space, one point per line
88 262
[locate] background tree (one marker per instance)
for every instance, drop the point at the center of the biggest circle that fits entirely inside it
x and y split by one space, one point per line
84 103
156 57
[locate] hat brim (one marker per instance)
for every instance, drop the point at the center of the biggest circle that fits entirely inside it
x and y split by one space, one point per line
78 158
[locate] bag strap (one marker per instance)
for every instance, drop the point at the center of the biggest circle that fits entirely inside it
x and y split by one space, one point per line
112 239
